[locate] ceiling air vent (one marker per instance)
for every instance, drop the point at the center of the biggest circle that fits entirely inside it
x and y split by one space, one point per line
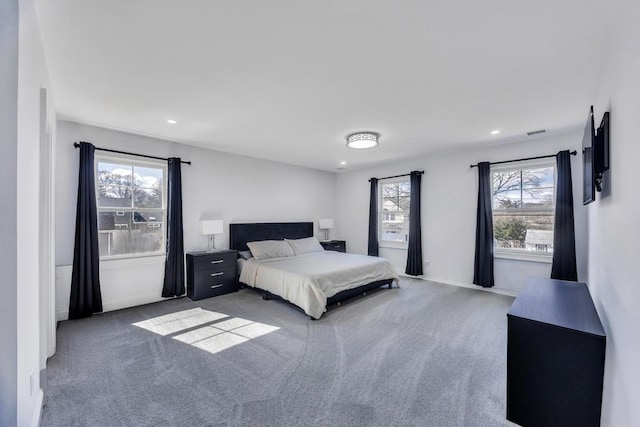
536 132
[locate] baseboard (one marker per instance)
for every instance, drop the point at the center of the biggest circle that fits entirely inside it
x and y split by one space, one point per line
117 305
460 284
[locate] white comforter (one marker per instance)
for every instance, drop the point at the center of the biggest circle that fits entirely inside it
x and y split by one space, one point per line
308 280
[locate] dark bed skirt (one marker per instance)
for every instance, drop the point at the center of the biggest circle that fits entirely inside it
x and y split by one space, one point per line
337 298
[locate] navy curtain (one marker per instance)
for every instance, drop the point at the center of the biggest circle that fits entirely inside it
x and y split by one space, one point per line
564 238
85 298
373 218
174 264
483 264
414 253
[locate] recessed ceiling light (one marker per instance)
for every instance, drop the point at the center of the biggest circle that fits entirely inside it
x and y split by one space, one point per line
171 121
343 163
495 132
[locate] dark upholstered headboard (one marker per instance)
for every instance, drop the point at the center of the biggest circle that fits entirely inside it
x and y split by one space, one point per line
240 234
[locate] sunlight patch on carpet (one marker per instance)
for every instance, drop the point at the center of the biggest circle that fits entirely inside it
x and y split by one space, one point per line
212 338
179 321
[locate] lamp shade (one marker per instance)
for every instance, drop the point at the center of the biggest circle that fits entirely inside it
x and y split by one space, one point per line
325 224
211 226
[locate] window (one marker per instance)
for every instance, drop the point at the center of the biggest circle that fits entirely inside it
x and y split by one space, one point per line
394 210
523 209
131 199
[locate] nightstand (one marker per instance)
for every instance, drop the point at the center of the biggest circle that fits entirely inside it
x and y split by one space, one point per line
210 274
334 245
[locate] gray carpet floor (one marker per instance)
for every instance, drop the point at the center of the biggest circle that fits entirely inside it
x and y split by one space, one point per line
426 354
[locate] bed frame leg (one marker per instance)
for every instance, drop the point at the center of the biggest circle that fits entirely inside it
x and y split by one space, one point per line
391 285
265 297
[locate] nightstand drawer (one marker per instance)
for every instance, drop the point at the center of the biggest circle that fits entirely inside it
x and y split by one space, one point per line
212 283
334 245
215 260
216 275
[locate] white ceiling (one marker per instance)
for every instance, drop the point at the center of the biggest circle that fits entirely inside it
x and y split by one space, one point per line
287 80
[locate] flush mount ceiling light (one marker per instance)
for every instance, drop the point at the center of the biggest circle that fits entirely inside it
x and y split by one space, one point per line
362 140
171 121
495 132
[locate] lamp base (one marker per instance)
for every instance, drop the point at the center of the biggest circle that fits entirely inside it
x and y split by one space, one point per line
212 243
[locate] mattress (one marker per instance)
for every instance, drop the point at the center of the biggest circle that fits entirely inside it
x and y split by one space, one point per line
240 265
308 280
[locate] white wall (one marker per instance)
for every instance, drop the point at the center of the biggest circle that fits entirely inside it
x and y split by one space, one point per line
8 217
614 232
449 199
32 77
237 188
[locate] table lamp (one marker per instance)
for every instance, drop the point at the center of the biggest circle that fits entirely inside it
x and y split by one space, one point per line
326 225
211 227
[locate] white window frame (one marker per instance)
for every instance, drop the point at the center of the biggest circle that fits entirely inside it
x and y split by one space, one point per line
389 243
516 254
135 161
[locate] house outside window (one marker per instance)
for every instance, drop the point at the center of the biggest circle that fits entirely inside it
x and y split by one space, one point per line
388 216
523 209
395 198
131 199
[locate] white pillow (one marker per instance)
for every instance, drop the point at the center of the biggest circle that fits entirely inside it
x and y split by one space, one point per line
305 246
270 249
245 254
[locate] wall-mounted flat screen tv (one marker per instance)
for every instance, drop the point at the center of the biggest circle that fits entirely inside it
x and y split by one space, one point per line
601 161
588 172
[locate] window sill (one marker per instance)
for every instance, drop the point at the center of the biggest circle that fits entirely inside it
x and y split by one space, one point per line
392 246
523 256
117 262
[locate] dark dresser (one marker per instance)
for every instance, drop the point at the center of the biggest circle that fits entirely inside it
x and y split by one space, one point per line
334 245
555 356
211 273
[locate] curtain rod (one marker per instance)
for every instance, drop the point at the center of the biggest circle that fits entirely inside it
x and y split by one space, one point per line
397 176
573 153
75 144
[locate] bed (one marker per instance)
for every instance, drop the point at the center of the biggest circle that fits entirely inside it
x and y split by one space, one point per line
311 281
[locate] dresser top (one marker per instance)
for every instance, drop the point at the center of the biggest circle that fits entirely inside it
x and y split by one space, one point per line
559 303
214 252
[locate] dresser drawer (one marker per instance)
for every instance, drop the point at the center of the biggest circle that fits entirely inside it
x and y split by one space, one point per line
216 275
214 260
212 283
334 245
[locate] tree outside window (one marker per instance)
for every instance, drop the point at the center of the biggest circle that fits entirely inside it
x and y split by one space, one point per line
523 209
131 208
394 207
